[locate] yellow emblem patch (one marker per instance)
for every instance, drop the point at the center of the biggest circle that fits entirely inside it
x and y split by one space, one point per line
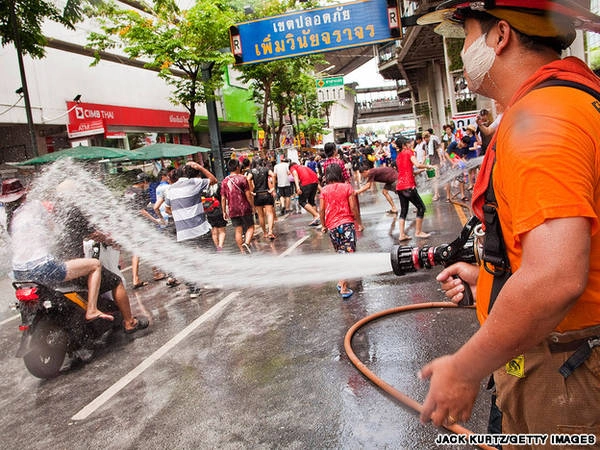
516 367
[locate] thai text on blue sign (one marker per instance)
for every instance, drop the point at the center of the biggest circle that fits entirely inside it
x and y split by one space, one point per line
315 31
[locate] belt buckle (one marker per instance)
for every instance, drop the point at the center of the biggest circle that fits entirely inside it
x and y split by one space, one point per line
593 342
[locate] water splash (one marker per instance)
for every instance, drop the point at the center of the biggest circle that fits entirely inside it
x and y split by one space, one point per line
109 214
448 174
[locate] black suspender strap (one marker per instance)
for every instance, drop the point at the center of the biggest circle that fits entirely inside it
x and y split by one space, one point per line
494 250
567 83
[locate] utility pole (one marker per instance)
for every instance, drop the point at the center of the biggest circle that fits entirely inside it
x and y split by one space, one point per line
213 124
19 47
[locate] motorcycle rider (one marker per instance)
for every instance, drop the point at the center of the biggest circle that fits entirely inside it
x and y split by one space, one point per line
30 222
76 229
30 226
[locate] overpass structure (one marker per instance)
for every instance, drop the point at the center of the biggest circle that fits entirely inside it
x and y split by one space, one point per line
382 104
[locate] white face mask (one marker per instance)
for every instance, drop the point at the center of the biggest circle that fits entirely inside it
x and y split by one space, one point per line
478 60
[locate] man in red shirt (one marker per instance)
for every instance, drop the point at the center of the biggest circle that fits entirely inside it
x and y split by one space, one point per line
307 185
237 203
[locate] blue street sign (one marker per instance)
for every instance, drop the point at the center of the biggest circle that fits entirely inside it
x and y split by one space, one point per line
315 31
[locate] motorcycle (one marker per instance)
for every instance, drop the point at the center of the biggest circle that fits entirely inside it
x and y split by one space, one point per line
55 330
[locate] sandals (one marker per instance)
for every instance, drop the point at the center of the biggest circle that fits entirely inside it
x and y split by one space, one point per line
102 316
346 295
271 236
391 211
159 276
140 284
140 324
172 282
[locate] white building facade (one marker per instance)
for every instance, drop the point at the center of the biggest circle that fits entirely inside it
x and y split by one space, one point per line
110 104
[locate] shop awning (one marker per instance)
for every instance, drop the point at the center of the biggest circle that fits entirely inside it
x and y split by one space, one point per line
80 153
160 151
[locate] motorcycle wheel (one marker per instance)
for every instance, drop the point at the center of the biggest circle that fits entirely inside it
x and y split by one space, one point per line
48 350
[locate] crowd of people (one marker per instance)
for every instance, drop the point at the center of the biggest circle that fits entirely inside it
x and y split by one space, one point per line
192 206
189 202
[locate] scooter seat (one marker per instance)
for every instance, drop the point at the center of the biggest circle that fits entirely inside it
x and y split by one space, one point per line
65 288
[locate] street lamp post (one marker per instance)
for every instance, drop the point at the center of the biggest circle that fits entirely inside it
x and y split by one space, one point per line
213 124
19 47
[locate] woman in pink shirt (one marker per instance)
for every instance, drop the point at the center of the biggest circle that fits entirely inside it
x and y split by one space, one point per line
339 214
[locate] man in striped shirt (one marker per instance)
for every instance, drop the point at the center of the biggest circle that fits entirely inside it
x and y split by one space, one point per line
184 202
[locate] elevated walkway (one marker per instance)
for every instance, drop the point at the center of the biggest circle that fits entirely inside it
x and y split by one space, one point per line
380 104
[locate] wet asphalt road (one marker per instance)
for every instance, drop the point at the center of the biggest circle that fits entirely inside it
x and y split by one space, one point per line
251 368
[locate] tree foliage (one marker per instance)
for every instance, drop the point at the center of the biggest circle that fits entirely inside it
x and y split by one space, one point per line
25 18
286 85
178 43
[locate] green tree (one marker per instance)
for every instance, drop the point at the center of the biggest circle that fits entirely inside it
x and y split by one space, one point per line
262 78
312 127
21 24
188 47
294 81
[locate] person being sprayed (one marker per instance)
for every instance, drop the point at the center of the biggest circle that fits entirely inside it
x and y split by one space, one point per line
78 238
33 233
339 214
406 188
537 289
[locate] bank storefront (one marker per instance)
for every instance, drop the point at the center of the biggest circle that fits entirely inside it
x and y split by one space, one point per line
99 124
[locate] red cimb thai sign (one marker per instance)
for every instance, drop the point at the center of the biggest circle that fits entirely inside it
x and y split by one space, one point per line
122 116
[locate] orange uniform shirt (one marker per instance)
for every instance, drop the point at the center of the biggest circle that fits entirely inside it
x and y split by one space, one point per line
548 167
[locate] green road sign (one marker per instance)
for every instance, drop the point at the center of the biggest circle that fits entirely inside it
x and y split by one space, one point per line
329 82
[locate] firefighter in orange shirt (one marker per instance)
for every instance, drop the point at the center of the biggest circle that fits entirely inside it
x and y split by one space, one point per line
541 322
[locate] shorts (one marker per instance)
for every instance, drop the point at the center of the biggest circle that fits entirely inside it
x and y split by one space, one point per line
390 186
284 191
45 271
263 199
109 281
343 238
243 221
308 194
215 218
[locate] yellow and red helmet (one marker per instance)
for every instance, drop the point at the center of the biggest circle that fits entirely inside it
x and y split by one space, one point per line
543 18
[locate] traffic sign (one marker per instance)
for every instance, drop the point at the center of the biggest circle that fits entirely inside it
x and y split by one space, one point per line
330 94
315 30
329 82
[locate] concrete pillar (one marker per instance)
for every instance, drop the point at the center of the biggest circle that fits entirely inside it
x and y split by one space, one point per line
439 113
450 83
577 48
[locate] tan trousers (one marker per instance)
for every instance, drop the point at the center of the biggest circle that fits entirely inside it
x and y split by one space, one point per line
543 401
